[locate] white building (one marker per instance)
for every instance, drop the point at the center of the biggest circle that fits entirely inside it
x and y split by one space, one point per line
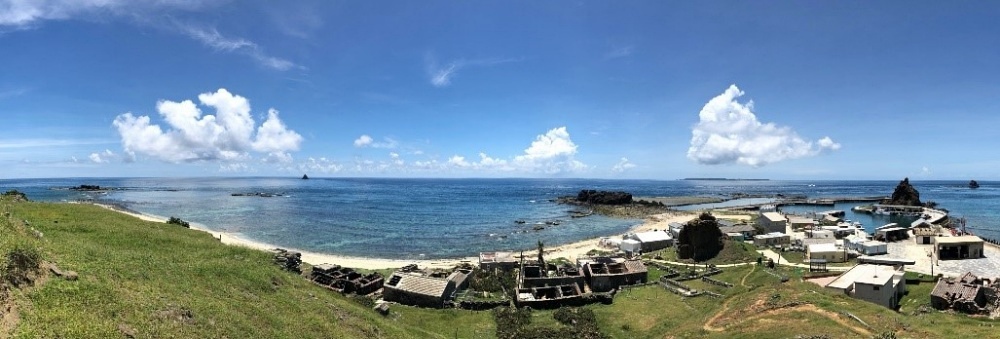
652 240
883 285
828 251
772 239
865 246
631 246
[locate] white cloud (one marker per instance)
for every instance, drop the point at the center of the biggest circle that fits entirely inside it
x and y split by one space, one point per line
441 75
363 140
620 52
729 132
550 153
396 160
367 141
212 38
190 136
622 166
320 165
21 14
100 158
235 167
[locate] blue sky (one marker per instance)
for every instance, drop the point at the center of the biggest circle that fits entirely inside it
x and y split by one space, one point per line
657 90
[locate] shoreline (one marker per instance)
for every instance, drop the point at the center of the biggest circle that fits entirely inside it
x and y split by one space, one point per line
571 251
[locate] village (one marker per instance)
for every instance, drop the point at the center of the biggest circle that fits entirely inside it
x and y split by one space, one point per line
833 253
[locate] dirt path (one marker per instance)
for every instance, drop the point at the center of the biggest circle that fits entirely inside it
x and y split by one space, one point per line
800 308
725 306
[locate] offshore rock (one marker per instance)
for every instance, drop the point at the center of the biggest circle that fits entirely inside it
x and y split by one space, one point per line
604 197
905 194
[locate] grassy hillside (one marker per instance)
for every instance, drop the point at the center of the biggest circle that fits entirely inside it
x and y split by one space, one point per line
156 280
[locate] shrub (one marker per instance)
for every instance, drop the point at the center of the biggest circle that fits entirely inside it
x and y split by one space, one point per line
20 263
178 221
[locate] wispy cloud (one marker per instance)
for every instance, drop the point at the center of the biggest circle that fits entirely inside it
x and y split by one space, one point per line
622 166
13 92
440 75
367 141
211 38
38 143
619 52
15 14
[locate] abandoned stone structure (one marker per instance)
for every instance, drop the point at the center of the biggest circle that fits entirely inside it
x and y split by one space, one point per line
549 286
606 274
345 280
489 261
426 289
966 294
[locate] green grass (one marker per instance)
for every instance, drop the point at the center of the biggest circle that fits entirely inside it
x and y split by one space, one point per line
162 280
159 280
733 252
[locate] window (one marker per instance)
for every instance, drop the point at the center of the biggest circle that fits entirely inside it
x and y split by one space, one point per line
876 287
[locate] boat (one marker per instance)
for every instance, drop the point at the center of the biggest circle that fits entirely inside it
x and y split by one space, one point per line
973 184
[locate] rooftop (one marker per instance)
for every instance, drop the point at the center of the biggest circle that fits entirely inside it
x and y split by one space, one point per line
865 274
958 240
652 236
737 228
773 216
825 247
420 284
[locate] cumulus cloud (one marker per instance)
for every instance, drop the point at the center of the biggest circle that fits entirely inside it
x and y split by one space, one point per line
189 135
100 157
729 132
551 153
366 140
622 166
320 165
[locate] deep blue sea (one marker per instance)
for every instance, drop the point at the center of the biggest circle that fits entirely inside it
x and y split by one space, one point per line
445 218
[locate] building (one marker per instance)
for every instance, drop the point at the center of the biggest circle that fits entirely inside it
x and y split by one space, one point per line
890 234
966 294
674 229
801 223
489 261
735 236
829 252
748 231
924 232
630 246
820 234
864 246
652 240
772 222
879 284
345 280
772 239
421 289
961 247
606 274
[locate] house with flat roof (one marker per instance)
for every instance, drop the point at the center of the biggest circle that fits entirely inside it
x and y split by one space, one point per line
879 284
828 251
961 247
864 246
652 240
801 223
772 222
748 231
772 239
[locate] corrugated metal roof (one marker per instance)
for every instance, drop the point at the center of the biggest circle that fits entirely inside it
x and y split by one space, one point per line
422 285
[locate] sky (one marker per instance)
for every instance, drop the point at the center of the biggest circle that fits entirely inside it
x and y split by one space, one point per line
595 89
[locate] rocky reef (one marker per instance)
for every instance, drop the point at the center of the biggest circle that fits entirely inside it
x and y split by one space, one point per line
604 197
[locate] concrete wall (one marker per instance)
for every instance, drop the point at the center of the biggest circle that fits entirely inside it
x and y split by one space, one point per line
885 295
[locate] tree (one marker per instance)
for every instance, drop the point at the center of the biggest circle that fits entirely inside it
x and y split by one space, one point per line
700 239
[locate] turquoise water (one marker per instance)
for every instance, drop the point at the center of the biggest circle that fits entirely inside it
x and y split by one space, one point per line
444 218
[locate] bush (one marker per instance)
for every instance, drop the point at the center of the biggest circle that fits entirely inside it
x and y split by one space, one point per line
178 221
20 263
16 195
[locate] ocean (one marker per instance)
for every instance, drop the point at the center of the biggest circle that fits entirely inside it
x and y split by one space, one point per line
448 218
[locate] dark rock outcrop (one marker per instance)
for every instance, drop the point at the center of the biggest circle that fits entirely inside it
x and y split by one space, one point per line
905 195
973 184
305 177
86 188
700 239
604 197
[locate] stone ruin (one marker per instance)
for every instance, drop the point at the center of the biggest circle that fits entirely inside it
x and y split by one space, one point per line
345 280
289 261
967 294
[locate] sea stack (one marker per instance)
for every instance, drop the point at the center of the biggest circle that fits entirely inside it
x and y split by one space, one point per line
305 177
905 194
973 184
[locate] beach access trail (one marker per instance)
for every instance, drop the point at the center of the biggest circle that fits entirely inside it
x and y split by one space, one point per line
571 251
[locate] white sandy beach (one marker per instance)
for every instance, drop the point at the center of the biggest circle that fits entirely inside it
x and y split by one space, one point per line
570 251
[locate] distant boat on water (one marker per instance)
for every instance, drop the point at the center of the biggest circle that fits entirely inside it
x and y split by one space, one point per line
973 184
